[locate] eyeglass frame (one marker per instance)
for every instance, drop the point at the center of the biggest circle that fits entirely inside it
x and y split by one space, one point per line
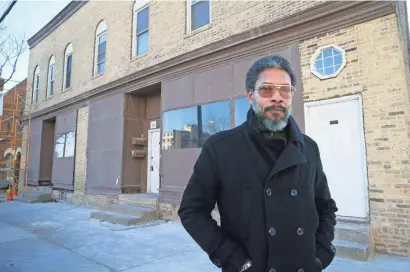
277 88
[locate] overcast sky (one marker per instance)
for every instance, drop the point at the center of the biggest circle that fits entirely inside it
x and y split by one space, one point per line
26 18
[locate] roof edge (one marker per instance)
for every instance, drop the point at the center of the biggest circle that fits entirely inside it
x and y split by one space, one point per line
60 18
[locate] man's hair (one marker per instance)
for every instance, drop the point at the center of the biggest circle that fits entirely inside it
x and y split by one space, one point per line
266 63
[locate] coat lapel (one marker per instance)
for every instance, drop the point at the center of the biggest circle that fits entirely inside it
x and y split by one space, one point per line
290 156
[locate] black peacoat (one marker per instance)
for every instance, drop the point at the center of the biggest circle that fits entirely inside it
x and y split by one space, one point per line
275 207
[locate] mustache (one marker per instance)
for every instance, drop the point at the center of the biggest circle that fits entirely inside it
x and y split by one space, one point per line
275 107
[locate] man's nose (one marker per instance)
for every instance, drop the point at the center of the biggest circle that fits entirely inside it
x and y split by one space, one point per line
276 97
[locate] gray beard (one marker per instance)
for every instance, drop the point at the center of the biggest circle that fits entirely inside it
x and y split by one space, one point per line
271 125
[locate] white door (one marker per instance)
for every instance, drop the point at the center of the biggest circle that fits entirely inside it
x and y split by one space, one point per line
337 127
153 160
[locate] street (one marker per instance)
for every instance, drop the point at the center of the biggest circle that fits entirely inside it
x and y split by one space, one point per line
60 237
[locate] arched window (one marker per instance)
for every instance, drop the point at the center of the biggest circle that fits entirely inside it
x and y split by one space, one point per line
100 48
140 27
68 63
51 76
36 81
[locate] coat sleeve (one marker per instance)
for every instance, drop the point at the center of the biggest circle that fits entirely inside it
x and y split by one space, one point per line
197 203
326 208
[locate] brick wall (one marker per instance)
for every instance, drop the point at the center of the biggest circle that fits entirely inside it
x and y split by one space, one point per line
167 38
11 140
80 172
374 69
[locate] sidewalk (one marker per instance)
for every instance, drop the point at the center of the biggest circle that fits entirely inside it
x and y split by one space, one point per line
53 237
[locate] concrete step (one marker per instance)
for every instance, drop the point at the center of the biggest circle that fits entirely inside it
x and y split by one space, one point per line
145 213
116 218
34 197
142 200
351 232
43 189
353 251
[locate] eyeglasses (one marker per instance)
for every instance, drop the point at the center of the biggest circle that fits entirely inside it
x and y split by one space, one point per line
267 90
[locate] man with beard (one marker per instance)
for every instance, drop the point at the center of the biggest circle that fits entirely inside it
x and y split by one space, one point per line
276 211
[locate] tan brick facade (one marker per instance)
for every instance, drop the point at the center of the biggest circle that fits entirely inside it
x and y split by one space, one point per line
375 70
80 172
167 38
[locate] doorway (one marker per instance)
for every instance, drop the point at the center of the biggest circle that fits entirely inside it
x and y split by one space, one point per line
337 127
154 145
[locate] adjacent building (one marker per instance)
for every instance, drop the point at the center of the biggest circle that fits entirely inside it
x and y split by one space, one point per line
11 142
124 94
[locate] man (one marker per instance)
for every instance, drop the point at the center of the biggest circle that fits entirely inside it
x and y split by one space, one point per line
276 211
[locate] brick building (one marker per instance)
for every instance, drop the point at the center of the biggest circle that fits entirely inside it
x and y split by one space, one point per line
10 142
123 99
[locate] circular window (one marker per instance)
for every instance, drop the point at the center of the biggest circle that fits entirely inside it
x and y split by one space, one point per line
328 61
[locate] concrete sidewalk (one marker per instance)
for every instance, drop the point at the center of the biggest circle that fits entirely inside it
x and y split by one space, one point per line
53 237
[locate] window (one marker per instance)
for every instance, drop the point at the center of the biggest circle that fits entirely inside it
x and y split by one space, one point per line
68 66
36 81
199 13
51 74
65 144
328 61
141 22
9 125
100 48
190 127
242 107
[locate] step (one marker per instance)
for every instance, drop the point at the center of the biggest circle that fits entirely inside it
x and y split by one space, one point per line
353 251
144 200
116 218
352 232
34 197
43 189
143 212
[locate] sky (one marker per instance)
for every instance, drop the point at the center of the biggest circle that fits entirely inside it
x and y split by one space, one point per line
25 19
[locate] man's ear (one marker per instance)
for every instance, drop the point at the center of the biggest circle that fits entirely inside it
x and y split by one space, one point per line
250 96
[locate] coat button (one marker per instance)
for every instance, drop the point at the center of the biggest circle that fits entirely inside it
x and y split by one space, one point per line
272 270
272 231
294 192
300 231
332 248
268 192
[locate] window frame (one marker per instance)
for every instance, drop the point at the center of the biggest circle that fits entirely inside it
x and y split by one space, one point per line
51 77
68 52
101 30
199 136
139 6
36 84
65 134
316 55
189 20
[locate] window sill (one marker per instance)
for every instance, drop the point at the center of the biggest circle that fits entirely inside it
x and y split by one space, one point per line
97 76
136 57
66 90
49 98
198 30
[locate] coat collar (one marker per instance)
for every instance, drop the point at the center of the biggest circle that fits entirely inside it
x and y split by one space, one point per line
294 134
292 154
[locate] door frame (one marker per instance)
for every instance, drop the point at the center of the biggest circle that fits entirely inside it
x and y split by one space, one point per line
150 131
363 156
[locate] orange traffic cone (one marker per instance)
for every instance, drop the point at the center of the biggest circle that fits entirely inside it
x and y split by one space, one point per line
9 196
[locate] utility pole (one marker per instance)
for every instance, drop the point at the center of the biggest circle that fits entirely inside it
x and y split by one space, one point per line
7 11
